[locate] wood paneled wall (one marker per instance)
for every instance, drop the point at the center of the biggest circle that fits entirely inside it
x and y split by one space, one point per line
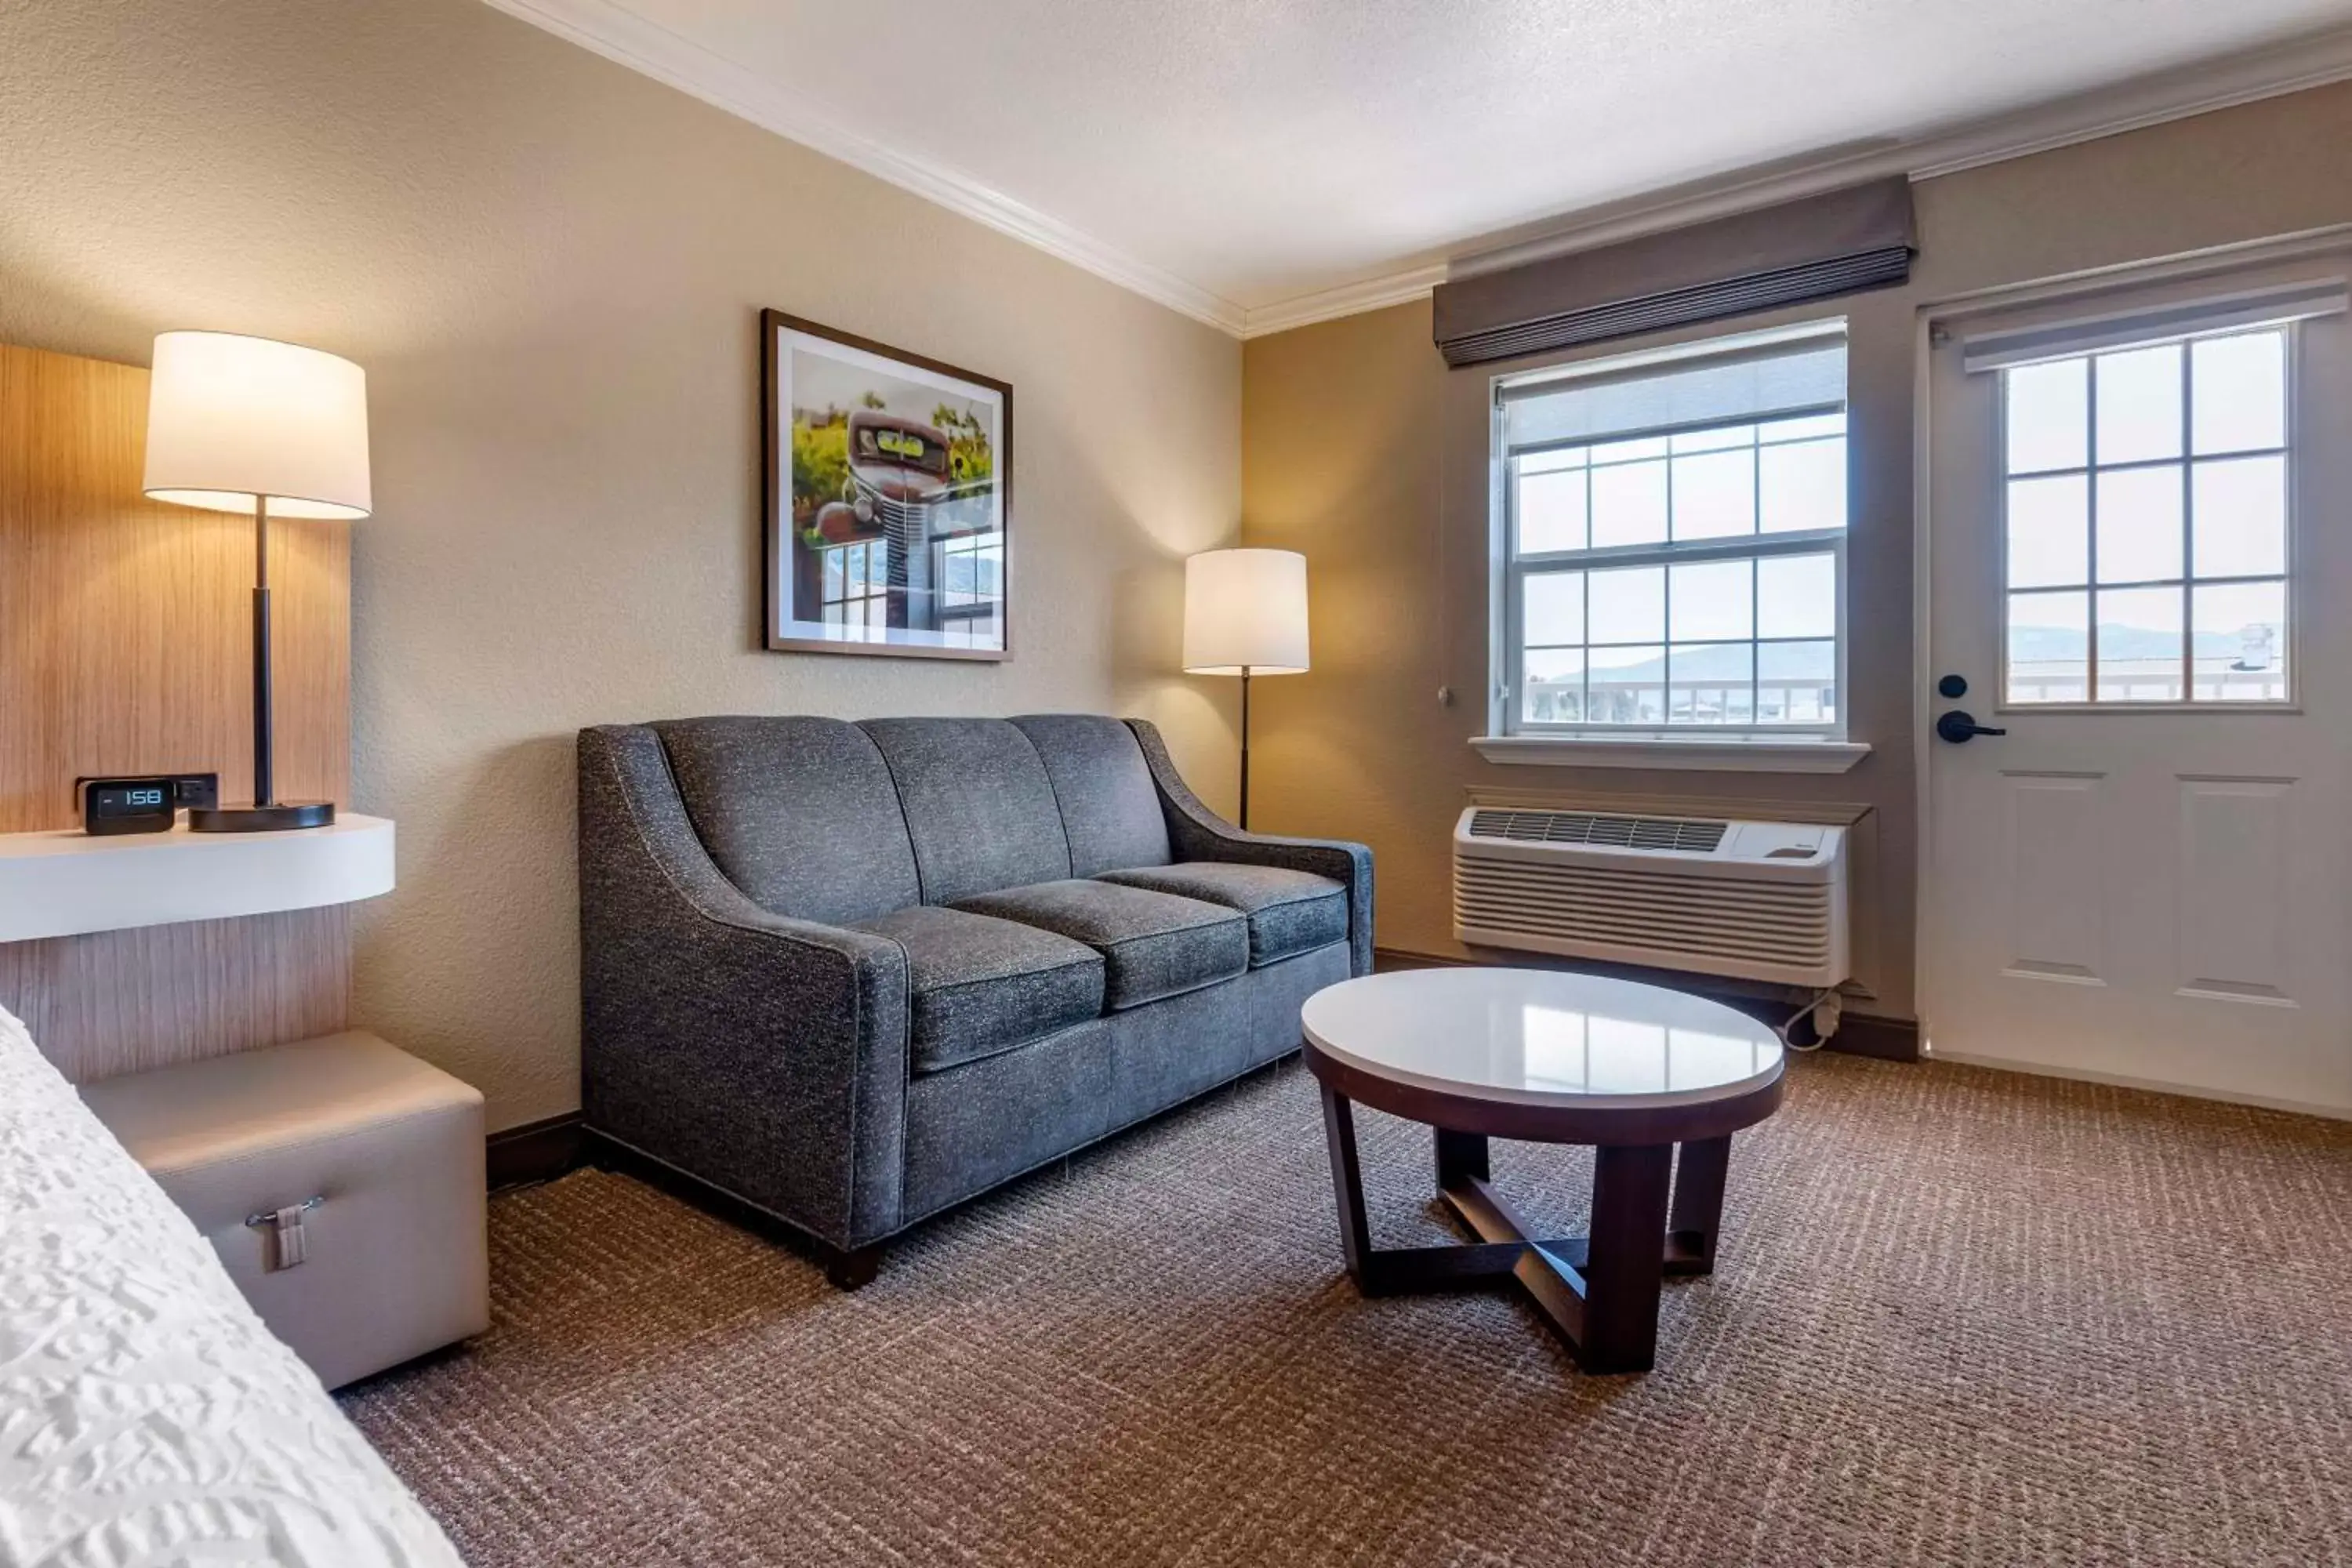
124 626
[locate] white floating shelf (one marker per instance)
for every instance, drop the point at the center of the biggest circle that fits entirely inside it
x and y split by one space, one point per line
66 883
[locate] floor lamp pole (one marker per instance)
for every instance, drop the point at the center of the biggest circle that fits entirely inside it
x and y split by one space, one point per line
1245 679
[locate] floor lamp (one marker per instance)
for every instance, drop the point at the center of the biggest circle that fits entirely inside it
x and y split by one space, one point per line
250 424
1245 615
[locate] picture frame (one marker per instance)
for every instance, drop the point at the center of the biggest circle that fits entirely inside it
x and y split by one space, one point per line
888 499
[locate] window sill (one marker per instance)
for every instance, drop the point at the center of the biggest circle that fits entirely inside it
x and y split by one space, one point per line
1762 754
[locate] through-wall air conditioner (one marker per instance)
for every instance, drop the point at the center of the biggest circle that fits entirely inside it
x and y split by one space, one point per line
1761 900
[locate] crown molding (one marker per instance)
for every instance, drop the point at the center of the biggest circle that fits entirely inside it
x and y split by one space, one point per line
610 29
1345 299
627 38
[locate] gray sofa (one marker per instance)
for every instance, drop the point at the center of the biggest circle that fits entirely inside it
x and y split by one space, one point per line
851 975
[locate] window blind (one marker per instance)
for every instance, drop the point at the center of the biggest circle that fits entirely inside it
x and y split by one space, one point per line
2002 350
1806 376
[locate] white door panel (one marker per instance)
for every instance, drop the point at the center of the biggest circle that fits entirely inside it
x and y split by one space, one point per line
2160 894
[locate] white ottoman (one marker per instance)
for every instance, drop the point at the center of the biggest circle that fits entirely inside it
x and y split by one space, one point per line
339 1179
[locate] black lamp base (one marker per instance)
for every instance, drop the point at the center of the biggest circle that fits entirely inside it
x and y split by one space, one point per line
274 818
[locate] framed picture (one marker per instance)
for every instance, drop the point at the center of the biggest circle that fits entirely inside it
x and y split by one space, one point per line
888 498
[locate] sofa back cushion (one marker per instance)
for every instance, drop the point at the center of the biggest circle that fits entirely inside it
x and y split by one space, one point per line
798 813
1110 811
979 807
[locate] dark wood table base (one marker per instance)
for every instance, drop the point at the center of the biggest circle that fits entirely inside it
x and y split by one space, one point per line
1599 1291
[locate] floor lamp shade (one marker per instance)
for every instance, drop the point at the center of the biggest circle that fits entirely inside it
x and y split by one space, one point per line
1245 613
250 424
231 418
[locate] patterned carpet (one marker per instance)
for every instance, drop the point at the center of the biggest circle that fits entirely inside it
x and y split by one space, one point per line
1960 1317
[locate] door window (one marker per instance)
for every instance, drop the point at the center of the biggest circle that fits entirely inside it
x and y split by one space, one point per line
2145 518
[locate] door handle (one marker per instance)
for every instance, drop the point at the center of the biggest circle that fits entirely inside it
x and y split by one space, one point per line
1959 725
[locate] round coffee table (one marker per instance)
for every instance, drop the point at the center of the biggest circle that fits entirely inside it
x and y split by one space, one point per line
1549 1057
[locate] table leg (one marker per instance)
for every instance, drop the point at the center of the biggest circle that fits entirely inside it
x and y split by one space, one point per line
1347 1182
1624 1265
1699 1173
1460 1155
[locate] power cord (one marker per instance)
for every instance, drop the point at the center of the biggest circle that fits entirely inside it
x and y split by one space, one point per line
1824 1009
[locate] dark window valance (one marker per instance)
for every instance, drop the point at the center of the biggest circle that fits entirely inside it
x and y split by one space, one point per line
1837 243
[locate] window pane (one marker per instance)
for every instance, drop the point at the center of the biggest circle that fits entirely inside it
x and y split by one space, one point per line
1713 602
2048 646
2139 524
1715 495
2240 648
1710 683
2049 413
1627 685
1629 451
1796 683
2139 404
2140 645
1803 487
2240 512
1554 679
1803 429
2049 532
1714 440
1629 504
1551 461
1554 608
2238 392
1551 510
1629 605
1796 596
831 575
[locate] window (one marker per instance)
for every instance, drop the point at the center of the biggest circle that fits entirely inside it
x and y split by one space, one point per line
1674 539
857 590
2144 521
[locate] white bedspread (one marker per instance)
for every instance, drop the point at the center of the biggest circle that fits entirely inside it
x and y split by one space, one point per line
146 1416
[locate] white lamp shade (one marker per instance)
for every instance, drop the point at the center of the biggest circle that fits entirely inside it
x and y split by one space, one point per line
231 417
1245 610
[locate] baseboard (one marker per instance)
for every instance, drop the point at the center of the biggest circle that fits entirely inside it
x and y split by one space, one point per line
1859 1033
536 1150
2149 1084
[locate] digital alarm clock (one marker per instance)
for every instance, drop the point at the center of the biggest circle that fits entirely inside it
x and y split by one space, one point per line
144 802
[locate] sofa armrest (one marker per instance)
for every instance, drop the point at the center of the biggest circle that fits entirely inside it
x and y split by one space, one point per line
765 1055
1196 833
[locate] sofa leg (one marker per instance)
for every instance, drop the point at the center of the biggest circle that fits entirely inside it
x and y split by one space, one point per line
846 1270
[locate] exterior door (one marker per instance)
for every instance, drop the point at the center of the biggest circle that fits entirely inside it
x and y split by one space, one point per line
2139 548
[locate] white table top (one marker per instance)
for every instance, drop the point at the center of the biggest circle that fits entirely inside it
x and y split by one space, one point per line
1531 1037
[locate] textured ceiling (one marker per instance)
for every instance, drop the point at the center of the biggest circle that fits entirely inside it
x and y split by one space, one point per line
1261 150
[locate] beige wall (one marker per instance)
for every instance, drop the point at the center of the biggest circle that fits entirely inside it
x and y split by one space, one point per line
1361 449
552 268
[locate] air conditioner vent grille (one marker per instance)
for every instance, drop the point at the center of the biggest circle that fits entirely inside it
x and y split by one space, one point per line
1585 827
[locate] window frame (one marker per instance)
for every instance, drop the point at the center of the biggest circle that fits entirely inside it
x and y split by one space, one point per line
1510 570
2289 575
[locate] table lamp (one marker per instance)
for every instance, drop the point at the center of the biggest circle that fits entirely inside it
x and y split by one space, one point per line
248 424
1245 613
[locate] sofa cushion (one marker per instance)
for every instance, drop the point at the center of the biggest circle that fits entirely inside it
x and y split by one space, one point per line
1288 912
979 807
976 986
1153 944
1109 809
798 813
